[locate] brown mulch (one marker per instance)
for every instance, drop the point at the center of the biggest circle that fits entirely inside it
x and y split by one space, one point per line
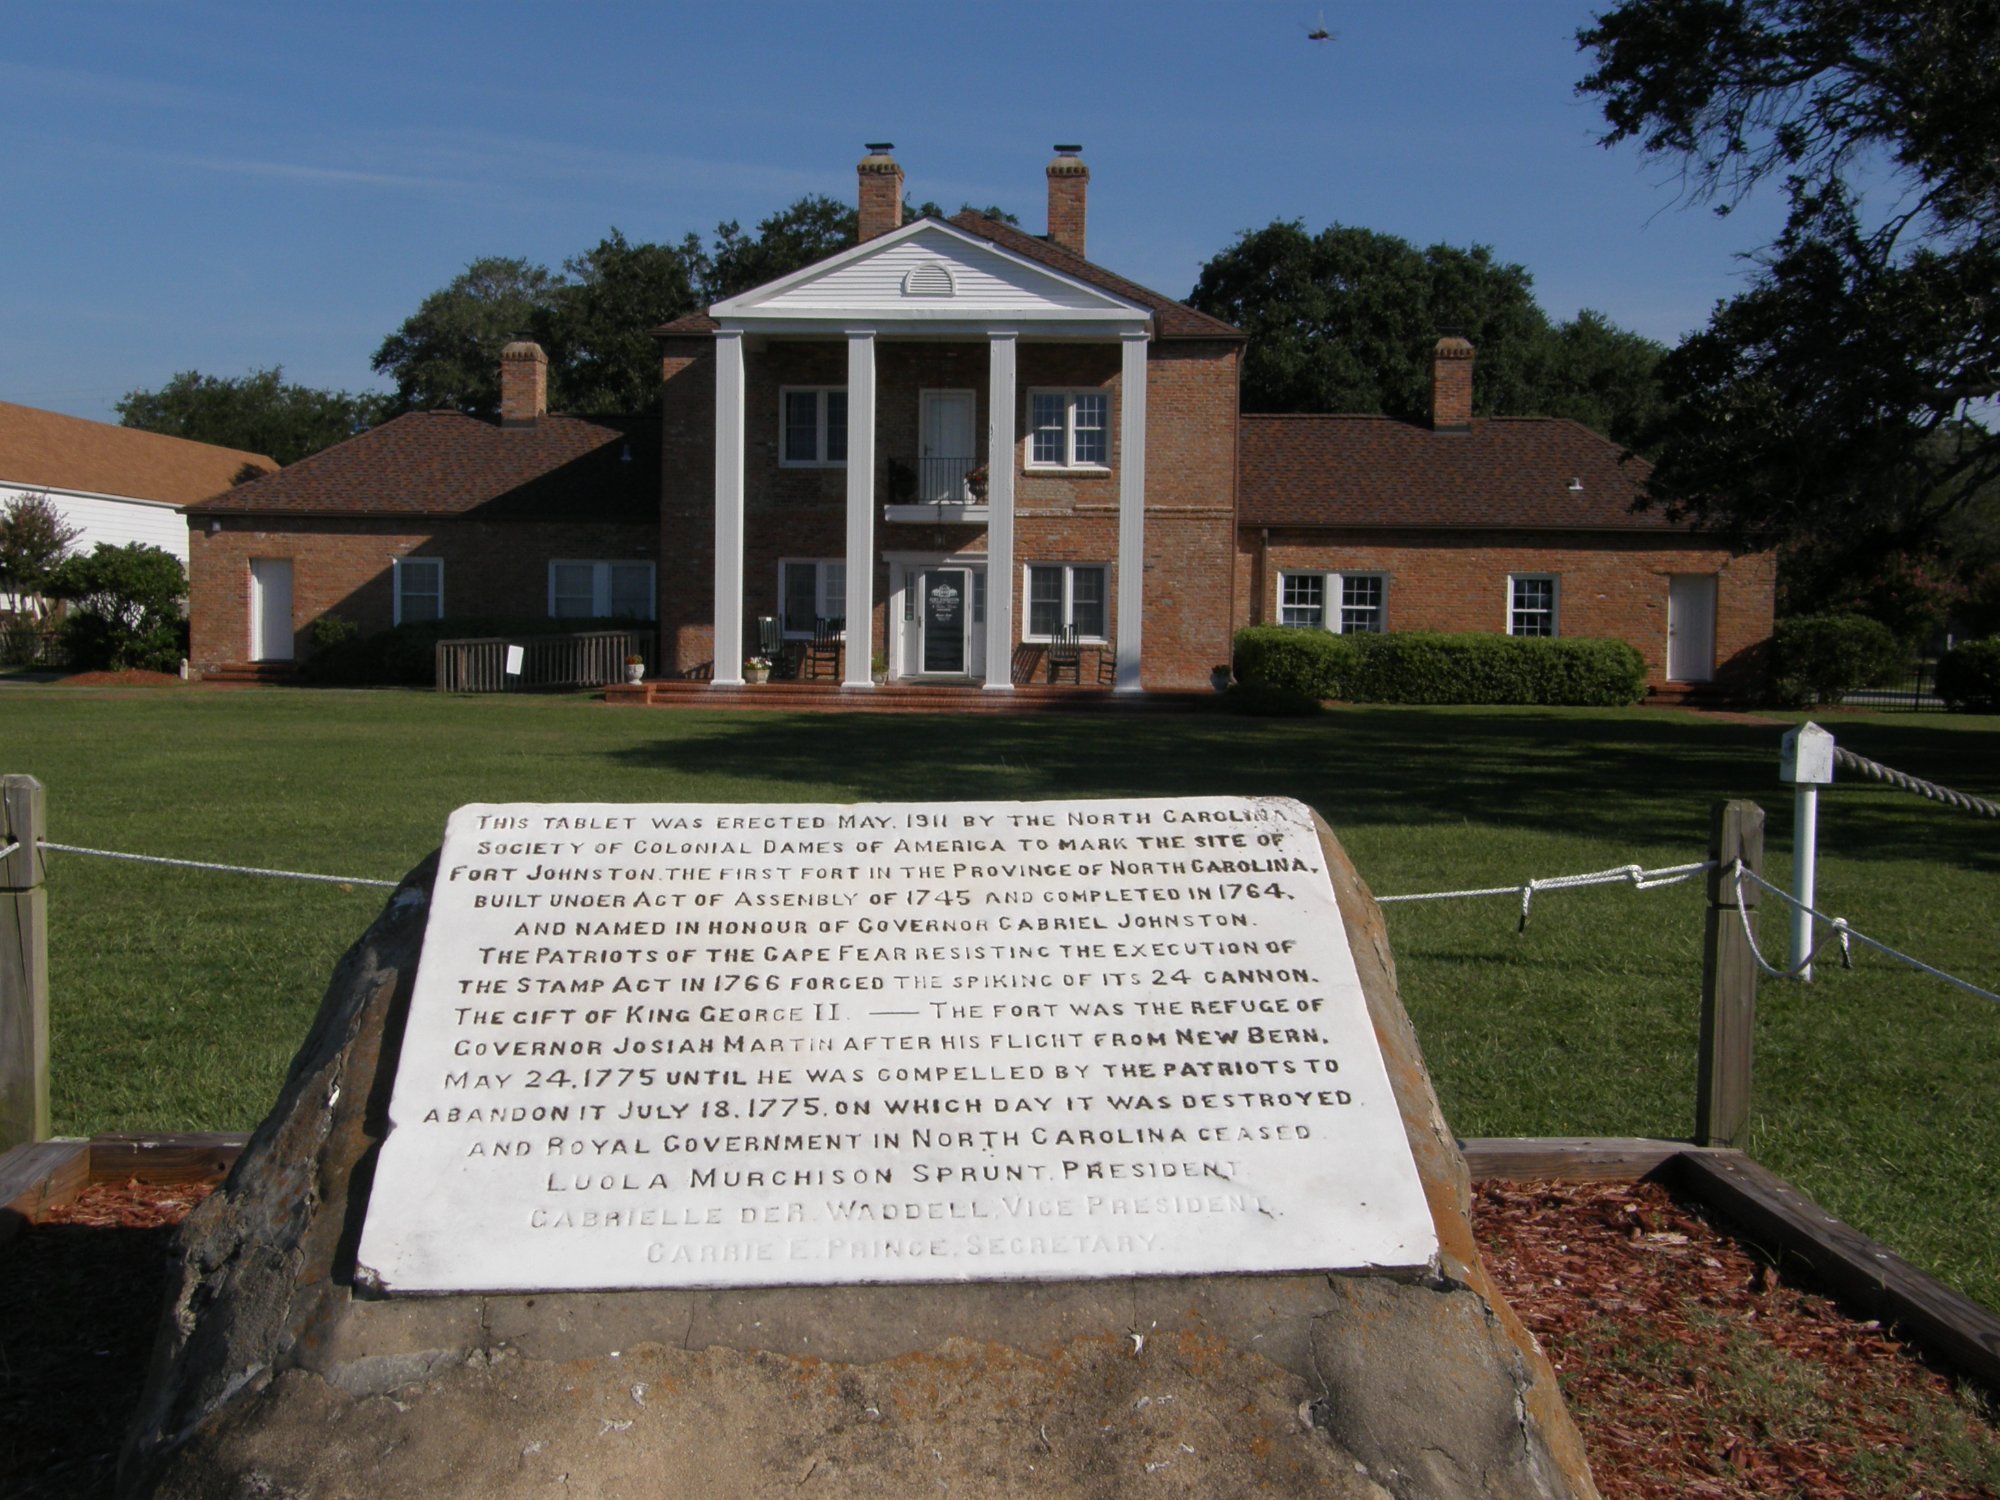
79 1302
129 678
1693 1368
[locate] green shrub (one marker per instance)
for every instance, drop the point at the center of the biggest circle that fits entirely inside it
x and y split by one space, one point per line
125 608
1968 677
1283 670
1423 667
331 631
1823 658
1280 670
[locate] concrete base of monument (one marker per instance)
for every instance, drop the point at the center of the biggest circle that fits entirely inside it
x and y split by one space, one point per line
274 1376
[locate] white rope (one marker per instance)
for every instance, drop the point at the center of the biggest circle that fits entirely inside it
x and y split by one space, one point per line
1638 878
1908 783
200 864
10 849
1839 929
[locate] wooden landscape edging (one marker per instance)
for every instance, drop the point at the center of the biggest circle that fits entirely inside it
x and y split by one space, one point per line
1772 1214
47 1174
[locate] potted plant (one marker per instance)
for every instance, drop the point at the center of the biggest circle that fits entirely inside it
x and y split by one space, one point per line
635 669
975 484
878 668
756 669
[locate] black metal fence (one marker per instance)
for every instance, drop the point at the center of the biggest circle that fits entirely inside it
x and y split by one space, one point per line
28 643
1914 692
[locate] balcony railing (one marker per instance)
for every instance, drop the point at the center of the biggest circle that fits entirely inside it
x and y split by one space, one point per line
941 481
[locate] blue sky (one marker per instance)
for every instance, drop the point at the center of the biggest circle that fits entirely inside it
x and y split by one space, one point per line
223 186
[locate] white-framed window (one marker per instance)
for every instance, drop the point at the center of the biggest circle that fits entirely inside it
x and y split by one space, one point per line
600 590
1061 594
810 589
1302 600
812 426
419 589
1069 429
1532 603
1345 603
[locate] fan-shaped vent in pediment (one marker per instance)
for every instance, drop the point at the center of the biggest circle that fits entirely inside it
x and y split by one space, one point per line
931 279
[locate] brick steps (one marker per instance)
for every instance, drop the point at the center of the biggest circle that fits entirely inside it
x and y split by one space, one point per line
1691 695
901 698
267 673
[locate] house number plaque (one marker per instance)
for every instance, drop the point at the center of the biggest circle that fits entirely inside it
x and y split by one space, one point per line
703 1046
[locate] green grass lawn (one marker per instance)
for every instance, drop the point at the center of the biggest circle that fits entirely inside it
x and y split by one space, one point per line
180 997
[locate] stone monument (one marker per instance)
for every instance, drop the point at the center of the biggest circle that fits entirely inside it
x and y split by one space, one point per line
1075 1146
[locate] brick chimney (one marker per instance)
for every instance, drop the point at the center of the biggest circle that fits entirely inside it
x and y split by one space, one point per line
1451 385
1069 193
524 384
881 191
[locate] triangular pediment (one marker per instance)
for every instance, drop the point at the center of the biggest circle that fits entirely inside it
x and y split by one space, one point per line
928 272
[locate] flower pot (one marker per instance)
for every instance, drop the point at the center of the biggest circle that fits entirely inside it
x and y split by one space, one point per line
635 673
757 674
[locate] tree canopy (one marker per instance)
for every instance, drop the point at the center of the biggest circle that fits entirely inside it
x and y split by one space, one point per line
447 353
1345 320
260 412
34 539
1845 397
594 320
596 327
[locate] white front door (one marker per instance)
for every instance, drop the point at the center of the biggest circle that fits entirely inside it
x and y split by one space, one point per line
942 609
946 449
270 609
944 605
1691 627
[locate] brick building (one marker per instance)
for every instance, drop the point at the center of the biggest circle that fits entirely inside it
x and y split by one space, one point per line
1515 525
947 447
433 514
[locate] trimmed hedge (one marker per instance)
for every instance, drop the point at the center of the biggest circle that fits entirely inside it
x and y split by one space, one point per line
1823 658
407 655
1280 670
1968 677
1288 670
1421 667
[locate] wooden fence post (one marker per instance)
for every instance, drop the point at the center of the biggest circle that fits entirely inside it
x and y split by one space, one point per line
1728 979
24 967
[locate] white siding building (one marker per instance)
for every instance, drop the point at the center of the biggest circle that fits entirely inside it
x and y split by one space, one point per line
114 484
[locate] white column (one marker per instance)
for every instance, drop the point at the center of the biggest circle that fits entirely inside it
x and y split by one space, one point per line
1131 510
728 671
860 510
1000 364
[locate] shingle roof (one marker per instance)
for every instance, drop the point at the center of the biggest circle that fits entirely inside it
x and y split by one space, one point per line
1512 472
1171 319
47 450
447 464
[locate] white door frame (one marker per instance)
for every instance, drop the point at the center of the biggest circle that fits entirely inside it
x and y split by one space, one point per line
271 616
906 574
1691 601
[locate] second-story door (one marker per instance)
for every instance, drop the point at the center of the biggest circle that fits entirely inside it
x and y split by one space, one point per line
945 446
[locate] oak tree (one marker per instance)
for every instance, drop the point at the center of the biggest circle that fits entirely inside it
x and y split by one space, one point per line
1847 392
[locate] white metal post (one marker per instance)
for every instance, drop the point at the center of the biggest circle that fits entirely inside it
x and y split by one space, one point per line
1805 760
1805 854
